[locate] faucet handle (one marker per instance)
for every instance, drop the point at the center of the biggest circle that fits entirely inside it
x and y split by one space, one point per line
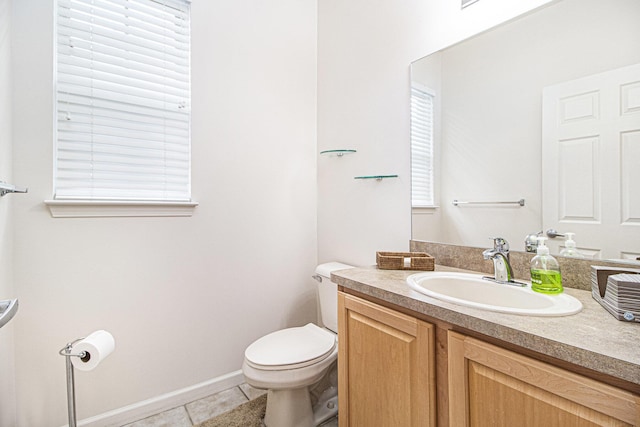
500 244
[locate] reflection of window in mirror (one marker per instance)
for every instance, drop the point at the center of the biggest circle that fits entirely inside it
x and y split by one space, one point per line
465 3
422 101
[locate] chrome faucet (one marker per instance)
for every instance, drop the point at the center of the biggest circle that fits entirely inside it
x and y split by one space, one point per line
499 254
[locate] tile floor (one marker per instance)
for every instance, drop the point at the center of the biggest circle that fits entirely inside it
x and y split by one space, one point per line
201 410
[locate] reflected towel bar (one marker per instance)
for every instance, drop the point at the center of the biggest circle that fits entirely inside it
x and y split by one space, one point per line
518 202
376 177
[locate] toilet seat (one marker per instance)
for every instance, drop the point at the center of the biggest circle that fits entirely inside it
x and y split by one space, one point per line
291 348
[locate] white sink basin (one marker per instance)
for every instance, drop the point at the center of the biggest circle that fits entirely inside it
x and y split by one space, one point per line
473 291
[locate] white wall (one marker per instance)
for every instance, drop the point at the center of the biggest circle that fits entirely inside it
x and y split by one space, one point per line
182 296
448 23
364 52
7 290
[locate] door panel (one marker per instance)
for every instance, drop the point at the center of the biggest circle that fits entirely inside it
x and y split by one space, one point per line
386 367
491 386
591 162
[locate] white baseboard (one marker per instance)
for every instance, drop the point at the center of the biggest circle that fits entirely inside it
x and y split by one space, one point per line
146 408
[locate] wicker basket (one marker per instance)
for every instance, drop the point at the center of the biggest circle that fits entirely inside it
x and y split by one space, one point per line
396 261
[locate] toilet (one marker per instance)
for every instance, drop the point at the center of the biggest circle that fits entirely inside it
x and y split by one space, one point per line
298 366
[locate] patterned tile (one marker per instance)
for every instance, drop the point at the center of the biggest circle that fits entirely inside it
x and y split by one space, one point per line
333 422
176 417
210 406
251 392
206 408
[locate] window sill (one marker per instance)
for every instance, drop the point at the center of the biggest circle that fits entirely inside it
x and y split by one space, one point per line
93 208
425 208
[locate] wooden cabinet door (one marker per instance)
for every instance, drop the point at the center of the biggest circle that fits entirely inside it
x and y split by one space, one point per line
491 386
386 371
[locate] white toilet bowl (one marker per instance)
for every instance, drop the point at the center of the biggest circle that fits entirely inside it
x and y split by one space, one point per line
289 362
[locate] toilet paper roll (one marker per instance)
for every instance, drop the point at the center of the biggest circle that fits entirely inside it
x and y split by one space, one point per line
97 346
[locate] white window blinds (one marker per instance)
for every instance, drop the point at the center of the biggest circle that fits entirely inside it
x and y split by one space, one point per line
123 100
421 147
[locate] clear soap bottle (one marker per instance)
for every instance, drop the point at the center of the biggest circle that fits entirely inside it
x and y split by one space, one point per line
570 249
545 271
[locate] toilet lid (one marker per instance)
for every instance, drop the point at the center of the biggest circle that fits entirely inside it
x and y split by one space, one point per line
291 348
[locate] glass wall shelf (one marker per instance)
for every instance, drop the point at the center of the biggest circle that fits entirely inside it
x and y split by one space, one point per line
338 153
376 177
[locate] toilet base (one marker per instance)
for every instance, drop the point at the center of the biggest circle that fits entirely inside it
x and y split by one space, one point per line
325 411
304 406
289 407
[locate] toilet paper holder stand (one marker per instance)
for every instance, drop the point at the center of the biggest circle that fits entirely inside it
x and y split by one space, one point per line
71 392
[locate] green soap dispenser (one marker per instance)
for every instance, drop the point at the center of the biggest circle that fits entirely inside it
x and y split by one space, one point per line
545 271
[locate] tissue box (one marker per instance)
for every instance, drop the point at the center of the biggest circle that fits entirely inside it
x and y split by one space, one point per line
405 261
618 291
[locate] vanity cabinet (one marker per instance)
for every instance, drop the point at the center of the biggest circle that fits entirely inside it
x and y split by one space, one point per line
387 377
386 366
491 386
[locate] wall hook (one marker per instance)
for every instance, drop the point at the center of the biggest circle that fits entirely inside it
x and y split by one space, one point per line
9 188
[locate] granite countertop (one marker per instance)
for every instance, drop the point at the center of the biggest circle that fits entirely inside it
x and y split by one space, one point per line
592 338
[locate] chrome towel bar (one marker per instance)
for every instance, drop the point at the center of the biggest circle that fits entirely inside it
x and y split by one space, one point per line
518 202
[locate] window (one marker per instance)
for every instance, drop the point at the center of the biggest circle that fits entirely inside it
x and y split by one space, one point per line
123 101
421 147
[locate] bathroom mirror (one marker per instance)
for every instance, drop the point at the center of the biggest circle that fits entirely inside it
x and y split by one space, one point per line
496 137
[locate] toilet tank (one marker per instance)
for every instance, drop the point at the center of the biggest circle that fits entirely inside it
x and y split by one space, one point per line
328 294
